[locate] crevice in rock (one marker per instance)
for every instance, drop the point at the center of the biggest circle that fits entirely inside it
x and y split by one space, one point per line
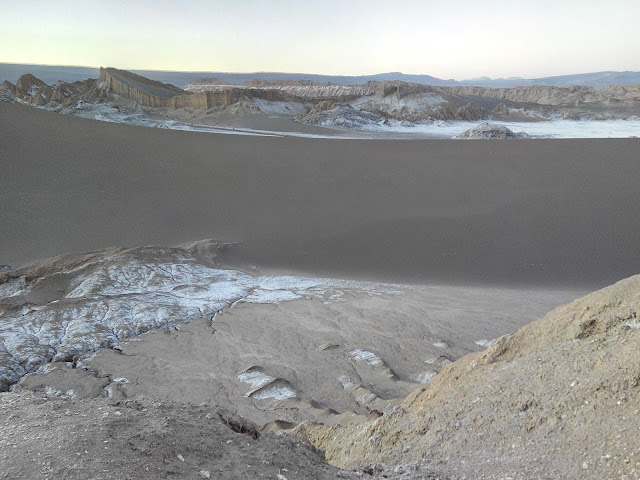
238 424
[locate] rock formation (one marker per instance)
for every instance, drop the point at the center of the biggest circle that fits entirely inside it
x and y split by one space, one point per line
7 94
327 114
33 90
204 82
489 130
501 109
144 91
149 93
361 104
541 95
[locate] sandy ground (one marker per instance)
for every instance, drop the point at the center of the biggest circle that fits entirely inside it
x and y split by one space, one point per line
101 440
520 212
324 359
207 397
519 226
176 327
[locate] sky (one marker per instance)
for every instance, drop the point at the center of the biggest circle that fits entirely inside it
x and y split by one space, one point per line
458 39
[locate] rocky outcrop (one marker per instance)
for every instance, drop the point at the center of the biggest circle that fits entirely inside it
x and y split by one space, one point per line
258 83
33 90
9 86
6 94
292 90
149 93
400 89
360 105
65 93
558 399
501 109
628 89
489 130
540 95
144 91
327 114
204 82
468 112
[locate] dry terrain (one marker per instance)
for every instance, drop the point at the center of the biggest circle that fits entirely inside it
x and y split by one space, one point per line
560 398
367 303
546 212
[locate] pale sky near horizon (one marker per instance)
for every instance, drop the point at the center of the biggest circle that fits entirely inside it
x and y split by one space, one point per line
458 39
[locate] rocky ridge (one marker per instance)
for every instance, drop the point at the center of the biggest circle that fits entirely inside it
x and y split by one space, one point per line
302 89
356 106
540 95
32 90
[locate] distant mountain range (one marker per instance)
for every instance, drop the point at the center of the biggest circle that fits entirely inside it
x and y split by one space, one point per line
51 74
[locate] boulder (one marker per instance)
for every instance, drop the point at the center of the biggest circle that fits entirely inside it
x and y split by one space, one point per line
489 130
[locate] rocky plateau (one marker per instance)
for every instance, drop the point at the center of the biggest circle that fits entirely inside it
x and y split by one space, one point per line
371 104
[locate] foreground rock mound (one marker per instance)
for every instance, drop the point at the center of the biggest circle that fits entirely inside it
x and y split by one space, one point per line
558 399
490 130
326 114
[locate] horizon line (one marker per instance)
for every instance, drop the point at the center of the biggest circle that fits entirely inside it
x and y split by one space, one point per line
320 74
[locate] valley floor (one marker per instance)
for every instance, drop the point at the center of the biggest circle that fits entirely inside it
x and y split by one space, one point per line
367 288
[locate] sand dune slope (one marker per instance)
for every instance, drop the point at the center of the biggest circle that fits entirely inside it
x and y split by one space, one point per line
520 212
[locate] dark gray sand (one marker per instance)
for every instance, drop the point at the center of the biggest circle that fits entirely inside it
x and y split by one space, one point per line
554 212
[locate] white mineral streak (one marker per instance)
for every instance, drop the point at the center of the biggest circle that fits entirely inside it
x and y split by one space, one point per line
123 298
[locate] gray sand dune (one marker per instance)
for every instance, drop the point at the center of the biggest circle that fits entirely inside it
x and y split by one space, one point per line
551 212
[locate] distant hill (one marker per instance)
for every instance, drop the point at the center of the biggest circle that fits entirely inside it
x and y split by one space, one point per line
51 74
48 74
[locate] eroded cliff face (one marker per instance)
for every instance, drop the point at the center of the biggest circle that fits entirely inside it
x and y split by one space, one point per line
541 95
553 96
291 90
353 106
150 93
144 91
